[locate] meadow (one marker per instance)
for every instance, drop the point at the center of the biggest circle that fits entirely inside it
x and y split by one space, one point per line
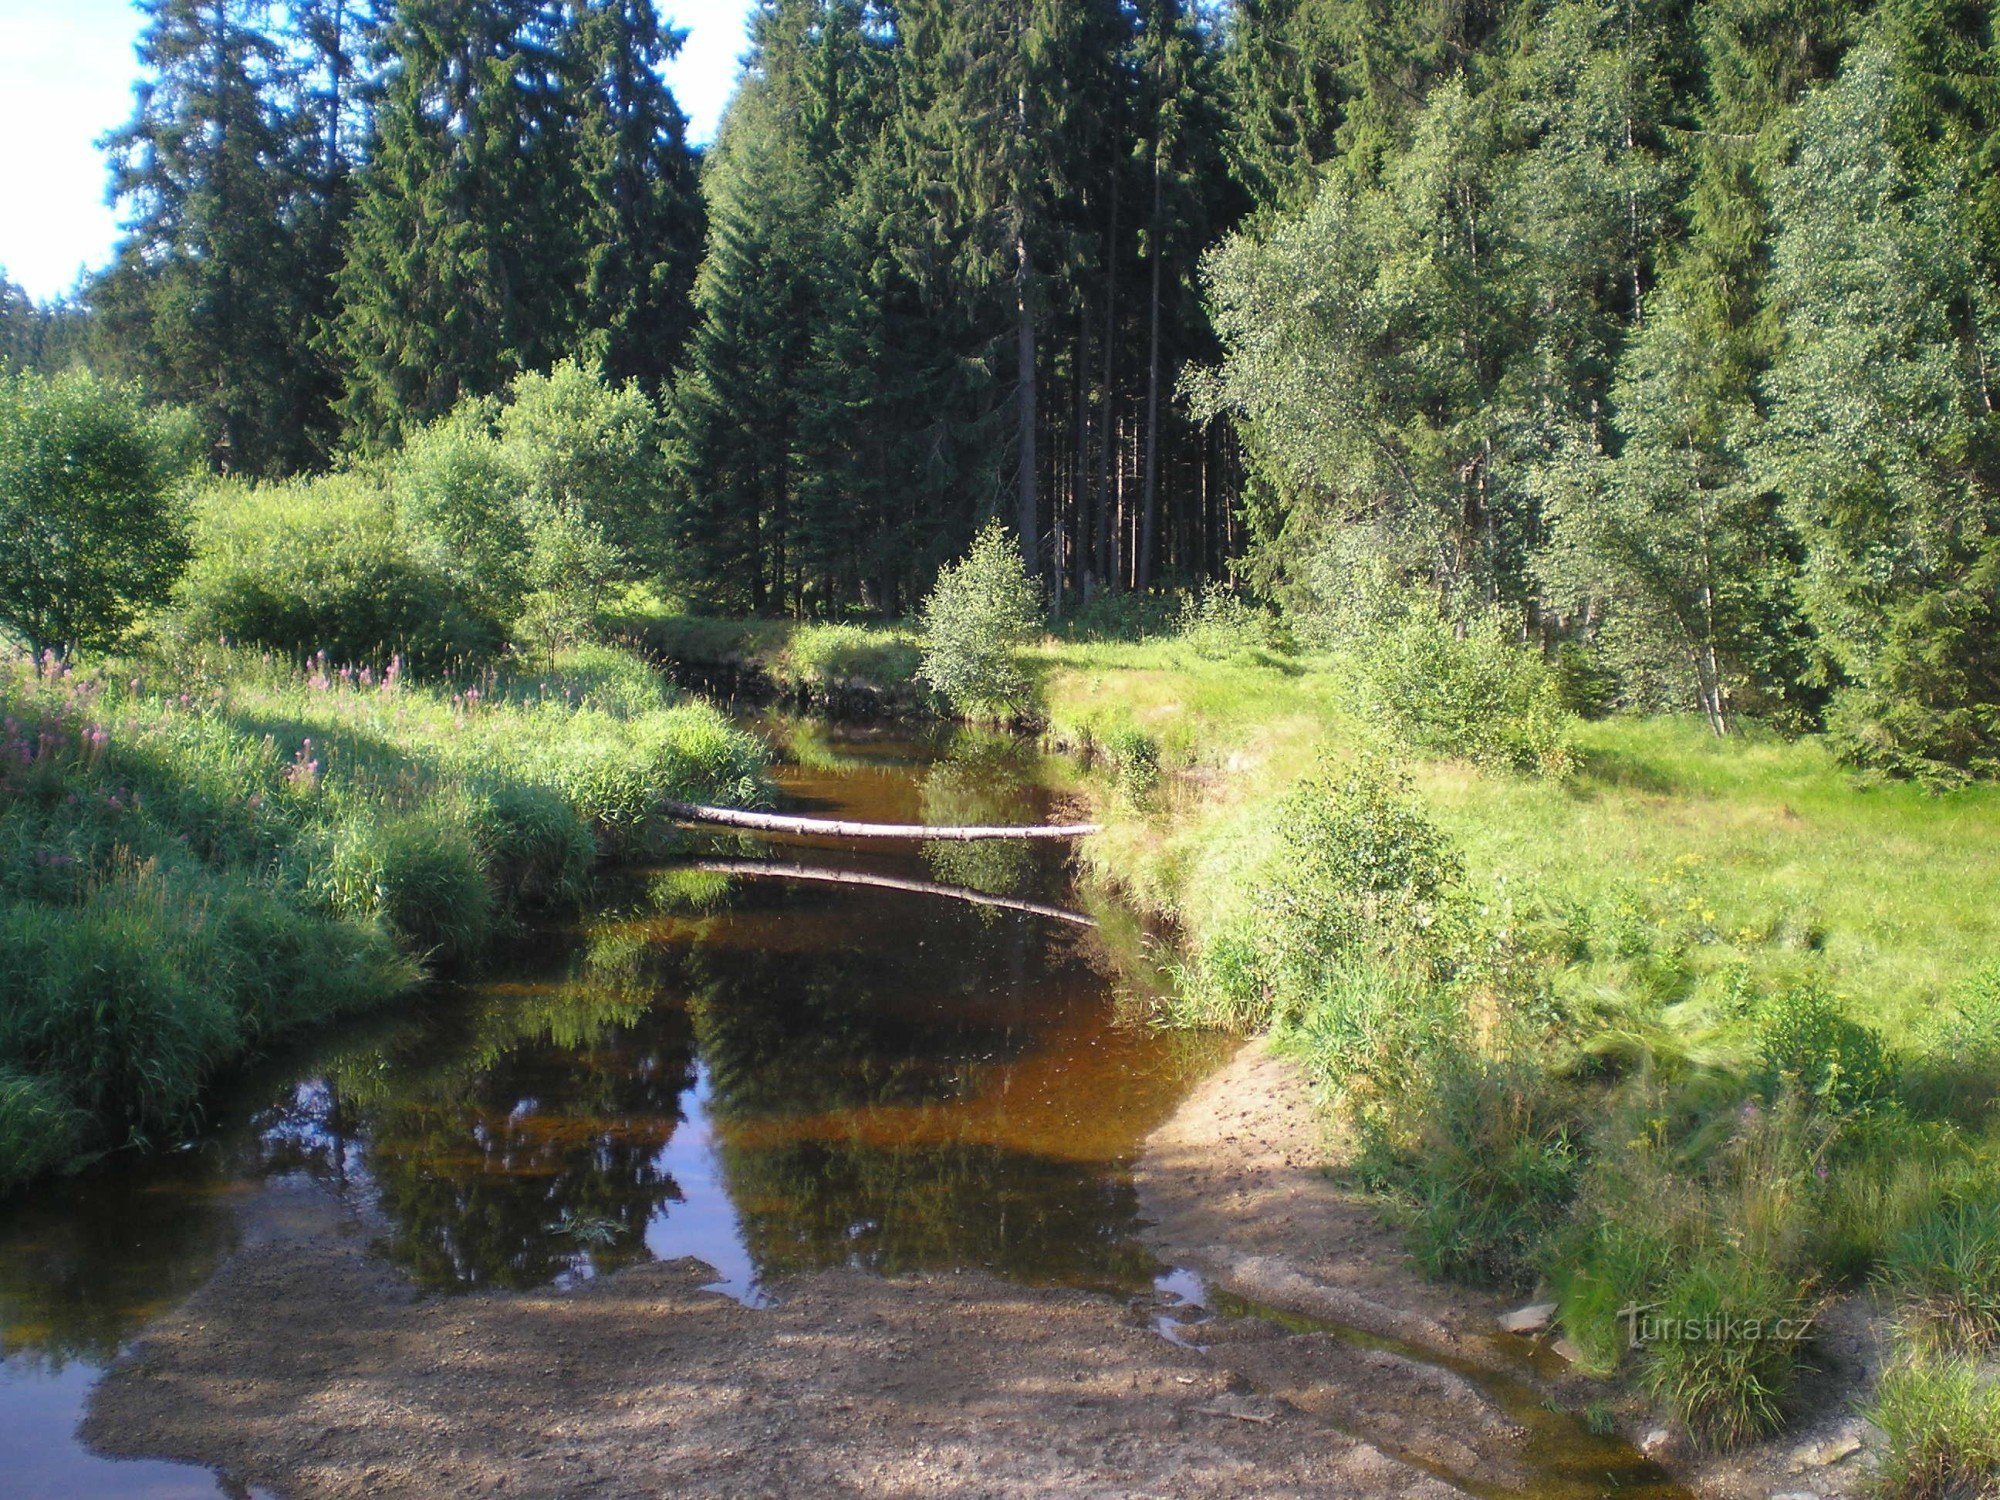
1707 1026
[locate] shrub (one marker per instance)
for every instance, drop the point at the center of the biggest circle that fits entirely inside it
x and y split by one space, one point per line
419 874
1135 760
1360 867
317 566
982 611
593 449
1944 1272
1355 894
1218 625
94 534
1941 1419
1474 693
1728 1329
1804 1042
572 567
458 497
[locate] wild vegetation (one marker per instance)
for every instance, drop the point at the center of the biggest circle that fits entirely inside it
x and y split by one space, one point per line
1510 495
201 851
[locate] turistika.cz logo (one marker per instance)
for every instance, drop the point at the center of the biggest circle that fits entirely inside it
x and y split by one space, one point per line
1645 1325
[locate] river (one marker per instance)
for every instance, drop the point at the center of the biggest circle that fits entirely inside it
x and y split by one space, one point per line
721 1059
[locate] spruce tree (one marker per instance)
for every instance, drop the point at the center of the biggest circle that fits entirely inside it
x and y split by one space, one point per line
642 236
463 259
209 294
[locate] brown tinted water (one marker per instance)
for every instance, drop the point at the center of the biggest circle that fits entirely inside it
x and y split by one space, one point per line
769 1074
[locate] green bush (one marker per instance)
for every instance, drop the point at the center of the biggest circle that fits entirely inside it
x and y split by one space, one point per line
419 874
1217 624
458 500
1134 756
1804 1042
94 533
592 449
573 567
318 566
1729 1328
1361 868
982 611
1941 1419
1473 692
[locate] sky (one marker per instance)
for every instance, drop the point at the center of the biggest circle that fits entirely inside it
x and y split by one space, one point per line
66 74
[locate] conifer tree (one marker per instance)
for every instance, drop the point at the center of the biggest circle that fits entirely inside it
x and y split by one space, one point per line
209 294
463 253
642 238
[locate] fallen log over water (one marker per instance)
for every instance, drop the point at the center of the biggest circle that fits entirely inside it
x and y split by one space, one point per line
732 817
771 870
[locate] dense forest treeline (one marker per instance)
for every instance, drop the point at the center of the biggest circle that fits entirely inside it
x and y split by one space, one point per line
1662 330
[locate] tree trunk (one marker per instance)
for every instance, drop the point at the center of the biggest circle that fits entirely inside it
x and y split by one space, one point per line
1149 487
1026 511
1107 561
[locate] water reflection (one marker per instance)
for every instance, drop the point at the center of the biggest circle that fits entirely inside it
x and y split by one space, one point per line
771 1075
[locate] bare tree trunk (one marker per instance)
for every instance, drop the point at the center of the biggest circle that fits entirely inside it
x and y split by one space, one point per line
1026 511
1150 486
1107 562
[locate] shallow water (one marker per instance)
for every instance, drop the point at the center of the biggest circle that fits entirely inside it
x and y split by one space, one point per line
770 1074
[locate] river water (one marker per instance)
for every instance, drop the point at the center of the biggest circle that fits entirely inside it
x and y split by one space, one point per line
730 1057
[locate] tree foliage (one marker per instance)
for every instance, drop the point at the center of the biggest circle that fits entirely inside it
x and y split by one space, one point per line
88 503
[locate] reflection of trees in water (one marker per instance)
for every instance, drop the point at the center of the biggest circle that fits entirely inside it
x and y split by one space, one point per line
823 1202
887 1021
985 778
86 1264
812 1056
513 1138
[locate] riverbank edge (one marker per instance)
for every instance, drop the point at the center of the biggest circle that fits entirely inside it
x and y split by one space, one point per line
1242 1184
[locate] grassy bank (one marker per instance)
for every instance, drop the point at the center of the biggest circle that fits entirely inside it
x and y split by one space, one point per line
845 668
200 853
1707 1026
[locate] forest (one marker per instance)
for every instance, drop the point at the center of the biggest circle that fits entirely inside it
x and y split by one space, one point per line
1494 505
1665 331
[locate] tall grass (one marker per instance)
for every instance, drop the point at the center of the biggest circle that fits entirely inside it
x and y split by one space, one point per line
199 854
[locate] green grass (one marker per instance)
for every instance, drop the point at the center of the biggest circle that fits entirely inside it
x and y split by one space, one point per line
199 854
1706 1024
829 665
1942 1421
